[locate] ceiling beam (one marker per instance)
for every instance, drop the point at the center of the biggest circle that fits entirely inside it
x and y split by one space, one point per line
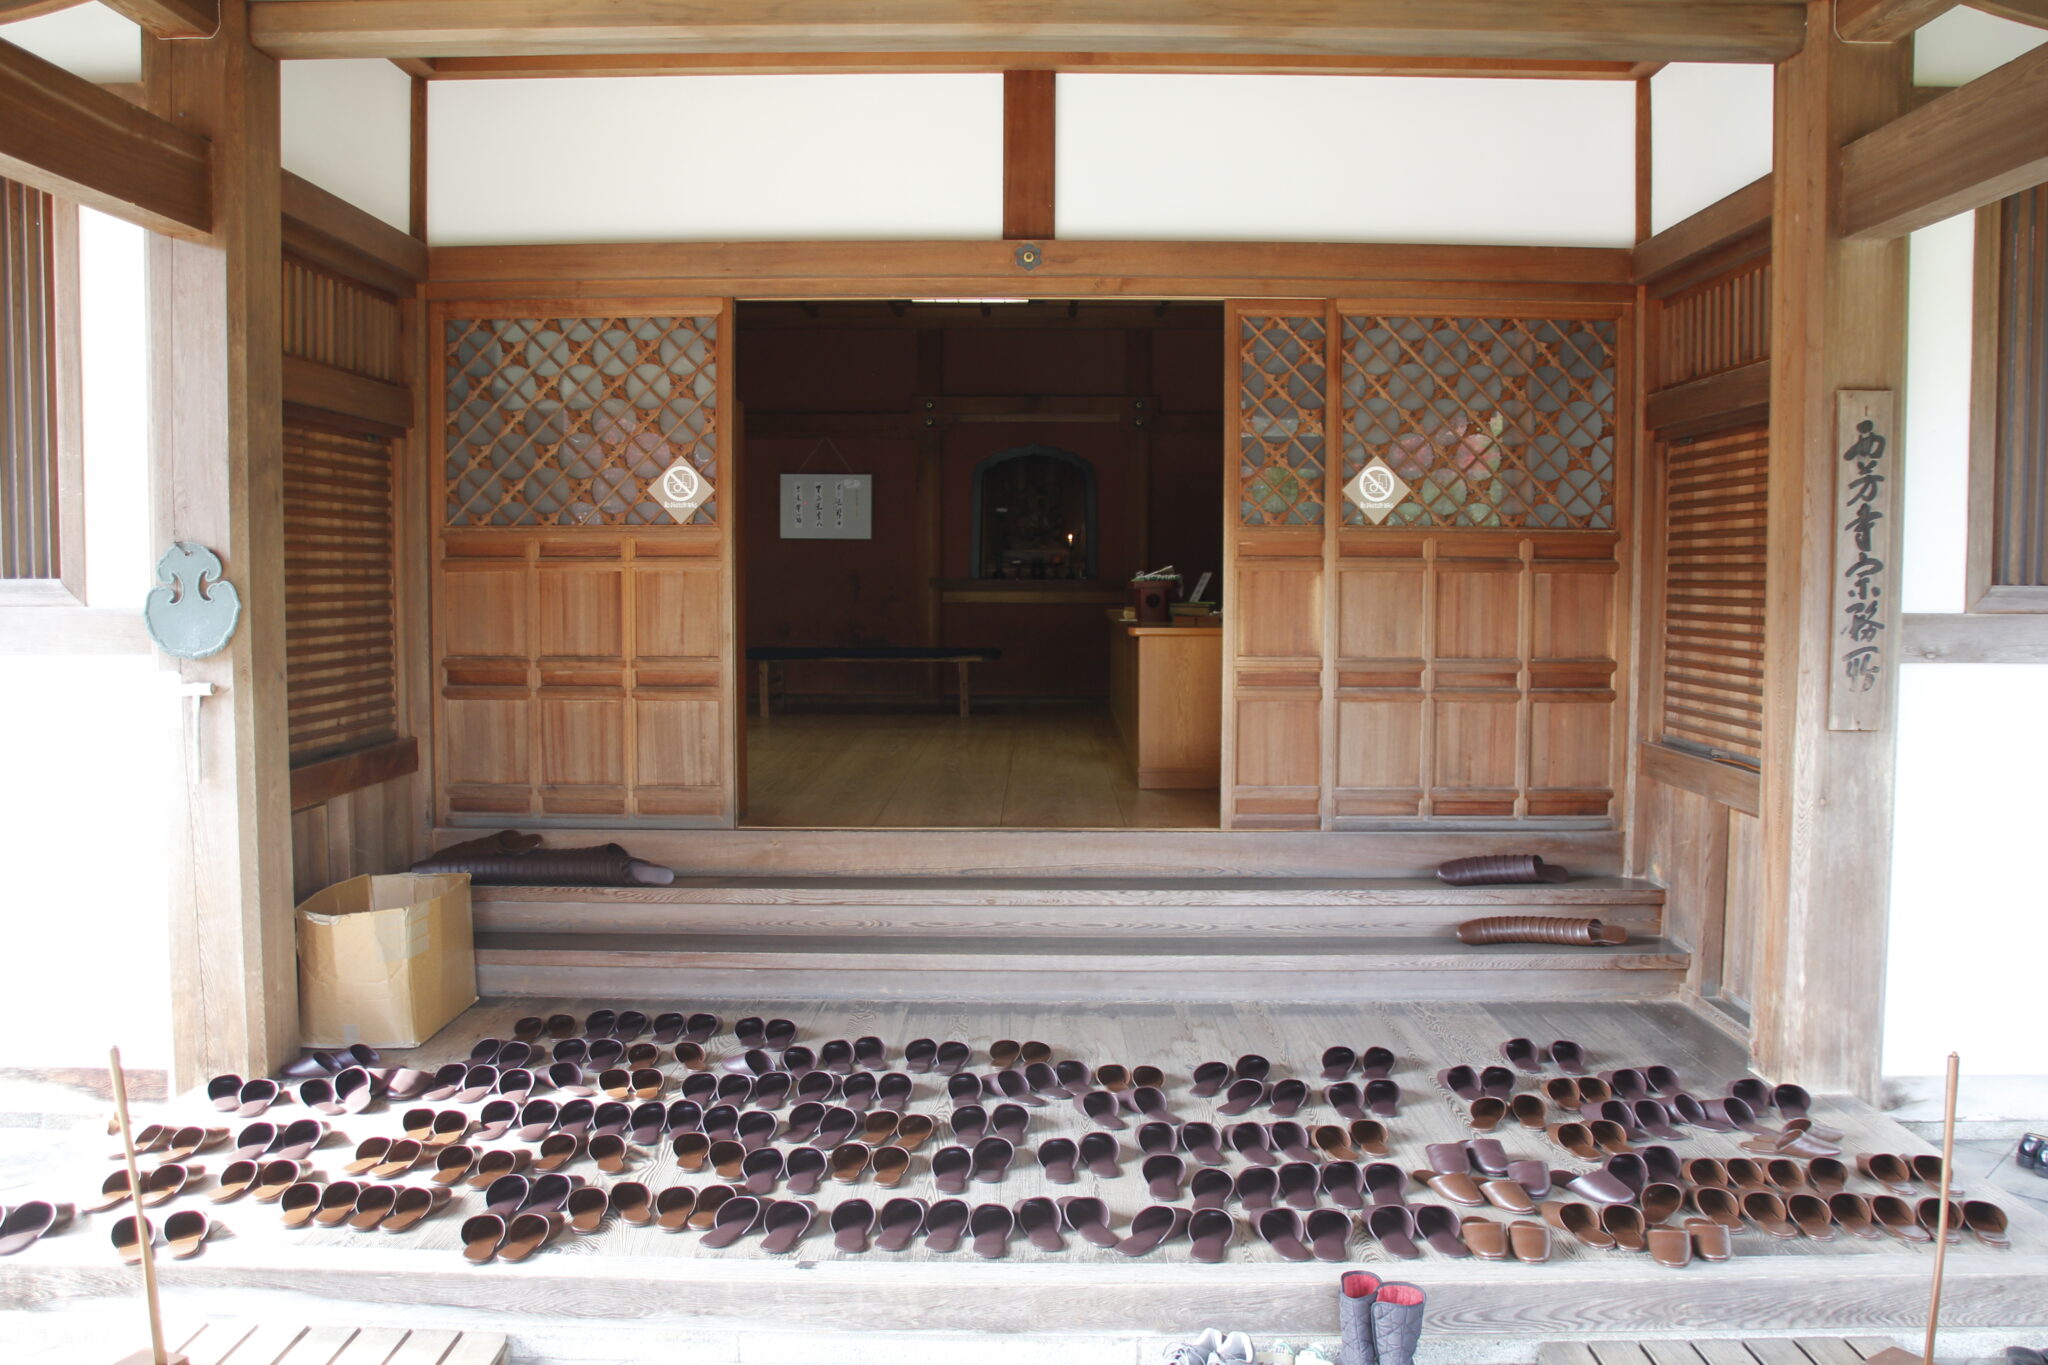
14 11
930 63
1970 147
172 18
69 137
1625 30
2033 12
1745 213
1885 21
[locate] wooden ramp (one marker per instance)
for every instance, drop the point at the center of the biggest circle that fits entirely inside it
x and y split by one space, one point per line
1766 1351
240 1343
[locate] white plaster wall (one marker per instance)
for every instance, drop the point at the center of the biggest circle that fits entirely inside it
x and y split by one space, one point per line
1346 159
710 158
1969 919
1964 43
89 41
347 127
93 737
1710 134
1937 487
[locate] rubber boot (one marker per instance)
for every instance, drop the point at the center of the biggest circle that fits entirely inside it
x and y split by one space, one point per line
1354 1316
1397 1323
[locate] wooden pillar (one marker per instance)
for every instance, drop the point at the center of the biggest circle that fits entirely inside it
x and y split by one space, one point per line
216 393
931 498
1838 321
1028 125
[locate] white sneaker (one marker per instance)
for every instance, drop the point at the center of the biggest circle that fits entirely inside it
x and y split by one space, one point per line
1281 1353
1311 1356
1236 1349
1186 1355
1207 1344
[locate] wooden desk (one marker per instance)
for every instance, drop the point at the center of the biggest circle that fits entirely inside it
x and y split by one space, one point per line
1166 692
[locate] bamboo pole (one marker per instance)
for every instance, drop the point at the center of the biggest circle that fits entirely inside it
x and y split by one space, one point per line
1948 1180
157 1354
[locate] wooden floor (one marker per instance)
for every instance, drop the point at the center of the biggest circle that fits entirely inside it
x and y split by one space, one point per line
648 1279
1037 767
1769 1351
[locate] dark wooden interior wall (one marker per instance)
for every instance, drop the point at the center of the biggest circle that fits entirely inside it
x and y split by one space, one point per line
861 380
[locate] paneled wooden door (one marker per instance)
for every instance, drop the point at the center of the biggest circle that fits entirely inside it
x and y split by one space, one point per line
1454 651
584 612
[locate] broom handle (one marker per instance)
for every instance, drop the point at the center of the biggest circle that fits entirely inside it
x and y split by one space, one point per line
156 1320
1948 1175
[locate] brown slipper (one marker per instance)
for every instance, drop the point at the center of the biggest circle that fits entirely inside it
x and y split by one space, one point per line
414 1204
1671 1247
25 1224
300 1202
234 1182
1531 1242
1487 1239
528 1233
127 1235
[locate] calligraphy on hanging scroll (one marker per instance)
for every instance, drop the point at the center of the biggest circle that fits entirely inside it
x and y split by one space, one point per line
1865 583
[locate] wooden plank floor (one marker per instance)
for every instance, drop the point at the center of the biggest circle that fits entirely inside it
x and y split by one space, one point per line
1770 1351
649 1278
1038 767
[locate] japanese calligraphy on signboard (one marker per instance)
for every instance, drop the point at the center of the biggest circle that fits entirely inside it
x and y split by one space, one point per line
1864 586
827 507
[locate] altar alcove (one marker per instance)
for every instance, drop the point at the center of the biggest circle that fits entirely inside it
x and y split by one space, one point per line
1034 515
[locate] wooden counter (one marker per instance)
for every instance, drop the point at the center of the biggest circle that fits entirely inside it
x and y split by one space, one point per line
1166 692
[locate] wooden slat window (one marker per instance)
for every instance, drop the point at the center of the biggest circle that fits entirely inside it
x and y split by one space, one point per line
29 516
341 676
1712 669
2020 501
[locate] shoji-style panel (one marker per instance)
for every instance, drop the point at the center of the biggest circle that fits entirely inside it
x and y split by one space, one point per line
1475 675
585 622
1275 621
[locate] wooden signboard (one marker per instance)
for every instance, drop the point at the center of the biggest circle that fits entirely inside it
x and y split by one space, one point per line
1865 585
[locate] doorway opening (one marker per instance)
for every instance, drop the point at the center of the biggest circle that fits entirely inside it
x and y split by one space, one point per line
945 505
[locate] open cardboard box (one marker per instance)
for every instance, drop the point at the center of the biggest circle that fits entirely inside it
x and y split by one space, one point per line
386 961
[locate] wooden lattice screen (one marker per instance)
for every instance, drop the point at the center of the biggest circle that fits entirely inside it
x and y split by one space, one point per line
1713 592
1712 326
570 421
28 436
1283 373
340 322
1491 422
2020 538
340 603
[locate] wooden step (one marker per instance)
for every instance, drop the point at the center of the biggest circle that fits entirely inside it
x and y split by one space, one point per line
1058 907
1082 853
1041 968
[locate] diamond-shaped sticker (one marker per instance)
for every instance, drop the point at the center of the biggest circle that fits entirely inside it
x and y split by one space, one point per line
682 490
1376 490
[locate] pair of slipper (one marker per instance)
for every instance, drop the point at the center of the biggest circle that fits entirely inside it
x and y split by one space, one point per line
184 1234
22 1226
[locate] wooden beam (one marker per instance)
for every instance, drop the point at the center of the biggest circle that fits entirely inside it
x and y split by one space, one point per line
1645 160
1159 270
1957 639
2033 12
1743 393
1028 127
1885 21
1972 147
973 63
55 629
329 231
317 783
67 136
1736 788
1626 30
416 193
14 11
1745 213
216 404
309 384
1838 321
172 18
419 68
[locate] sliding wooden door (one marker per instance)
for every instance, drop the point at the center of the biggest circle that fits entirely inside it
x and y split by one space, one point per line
1277 493
585 643
1425 580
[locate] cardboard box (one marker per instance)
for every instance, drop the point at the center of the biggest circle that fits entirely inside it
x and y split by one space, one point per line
386 961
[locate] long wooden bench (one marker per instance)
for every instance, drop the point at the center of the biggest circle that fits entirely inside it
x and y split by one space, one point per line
767 656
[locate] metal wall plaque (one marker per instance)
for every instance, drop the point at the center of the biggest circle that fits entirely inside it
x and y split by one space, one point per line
827 507
194 613
1376 490
1864 586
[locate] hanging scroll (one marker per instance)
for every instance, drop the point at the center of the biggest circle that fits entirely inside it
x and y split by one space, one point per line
1864 586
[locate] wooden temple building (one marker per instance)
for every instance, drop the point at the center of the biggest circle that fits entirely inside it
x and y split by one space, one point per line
1614 431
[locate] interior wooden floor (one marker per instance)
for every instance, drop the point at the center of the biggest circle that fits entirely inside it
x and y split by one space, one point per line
1051 766
645 1279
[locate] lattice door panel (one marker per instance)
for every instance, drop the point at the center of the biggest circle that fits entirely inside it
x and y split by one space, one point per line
1282 382
579 421
1489 422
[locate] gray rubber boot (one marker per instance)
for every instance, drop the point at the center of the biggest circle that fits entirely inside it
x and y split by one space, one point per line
1397 1323
1355 1299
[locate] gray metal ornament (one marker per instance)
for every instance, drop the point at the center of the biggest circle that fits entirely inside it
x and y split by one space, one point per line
195 612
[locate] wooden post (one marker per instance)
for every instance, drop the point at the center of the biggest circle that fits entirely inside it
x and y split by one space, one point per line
216 395
1838 321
